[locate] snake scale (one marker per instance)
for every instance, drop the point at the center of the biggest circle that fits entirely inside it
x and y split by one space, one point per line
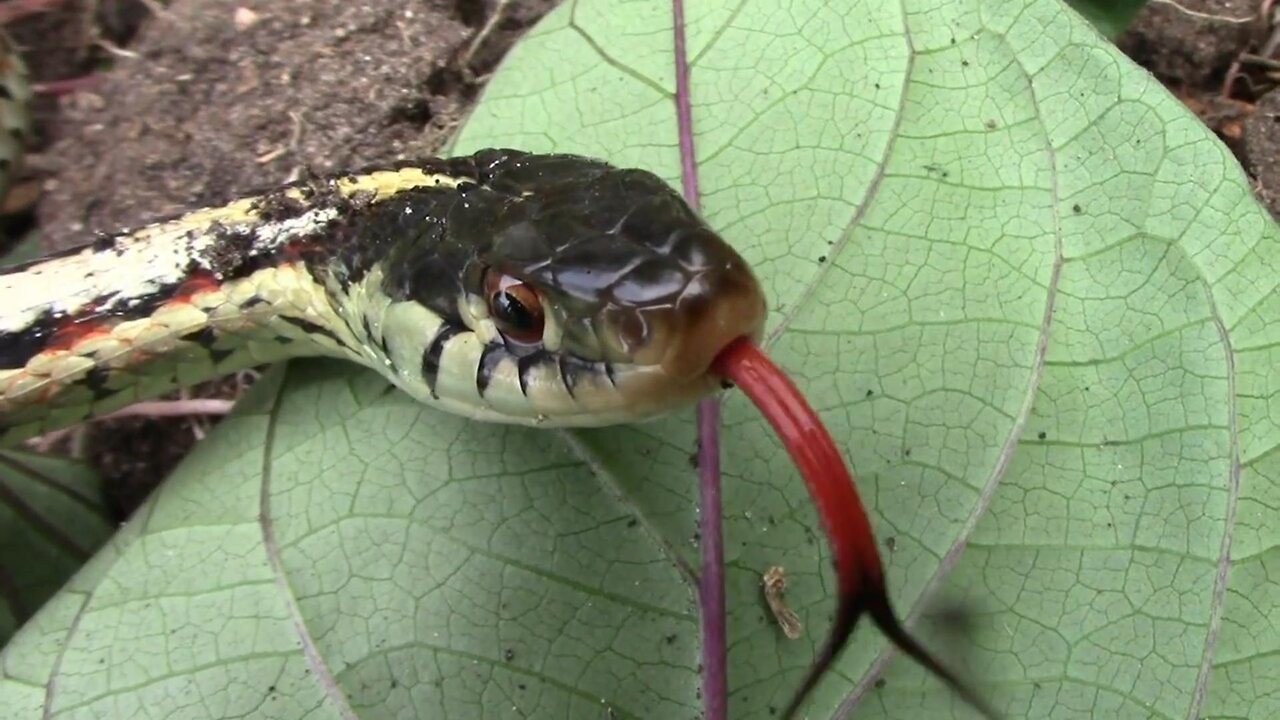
504 286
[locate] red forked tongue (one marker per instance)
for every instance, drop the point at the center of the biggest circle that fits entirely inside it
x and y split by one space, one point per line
859 575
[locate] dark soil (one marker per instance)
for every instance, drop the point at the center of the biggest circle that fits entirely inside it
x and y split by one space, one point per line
227 97
1222 58
214 98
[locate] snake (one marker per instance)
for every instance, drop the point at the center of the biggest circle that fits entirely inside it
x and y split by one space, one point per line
505 286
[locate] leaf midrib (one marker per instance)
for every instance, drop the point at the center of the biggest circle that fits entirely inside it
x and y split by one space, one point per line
310 651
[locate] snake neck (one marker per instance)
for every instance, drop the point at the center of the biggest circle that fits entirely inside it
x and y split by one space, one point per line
138 314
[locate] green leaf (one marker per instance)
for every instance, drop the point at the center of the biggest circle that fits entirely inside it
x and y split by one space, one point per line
53 517
1030 294
28 248
1111 17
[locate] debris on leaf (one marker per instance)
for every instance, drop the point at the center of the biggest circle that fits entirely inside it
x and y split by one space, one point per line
774 583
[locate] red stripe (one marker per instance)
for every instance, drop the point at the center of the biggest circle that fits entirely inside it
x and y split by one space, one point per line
92 322
74 332
199 283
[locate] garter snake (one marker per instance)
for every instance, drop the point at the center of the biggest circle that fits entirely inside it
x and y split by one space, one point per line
537 289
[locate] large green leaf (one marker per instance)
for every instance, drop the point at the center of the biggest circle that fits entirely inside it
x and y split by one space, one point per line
1031 295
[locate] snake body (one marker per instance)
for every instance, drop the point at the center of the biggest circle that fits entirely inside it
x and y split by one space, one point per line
504 286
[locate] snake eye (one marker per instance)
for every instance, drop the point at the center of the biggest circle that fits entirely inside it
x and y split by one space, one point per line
514 307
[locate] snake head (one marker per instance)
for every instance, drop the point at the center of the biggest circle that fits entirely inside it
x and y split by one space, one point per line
625 270
606 272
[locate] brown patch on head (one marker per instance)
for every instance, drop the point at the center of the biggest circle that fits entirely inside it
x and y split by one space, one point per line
717 307
683 330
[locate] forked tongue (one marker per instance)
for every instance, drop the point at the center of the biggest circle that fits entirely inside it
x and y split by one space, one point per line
859 575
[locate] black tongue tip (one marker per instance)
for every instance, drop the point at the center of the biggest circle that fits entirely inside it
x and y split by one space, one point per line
849 609
875 602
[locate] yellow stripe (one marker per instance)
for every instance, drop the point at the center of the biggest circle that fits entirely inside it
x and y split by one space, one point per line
381 184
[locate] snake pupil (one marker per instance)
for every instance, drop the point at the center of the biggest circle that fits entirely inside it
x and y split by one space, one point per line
515 308
511 311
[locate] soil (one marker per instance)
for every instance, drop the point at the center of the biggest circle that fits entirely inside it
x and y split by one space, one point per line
193 102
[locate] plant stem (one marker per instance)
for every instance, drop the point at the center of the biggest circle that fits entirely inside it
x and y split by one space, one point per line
711 578
715 682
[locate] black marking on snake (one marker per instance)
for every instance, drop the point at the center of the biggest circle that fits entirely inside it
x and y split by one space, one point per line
572 371
431 356
228 259
381 337
350 322
526 364
312 329
608 372
323 193
220 354
96 381
254 301
206 338
490 358
18 347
